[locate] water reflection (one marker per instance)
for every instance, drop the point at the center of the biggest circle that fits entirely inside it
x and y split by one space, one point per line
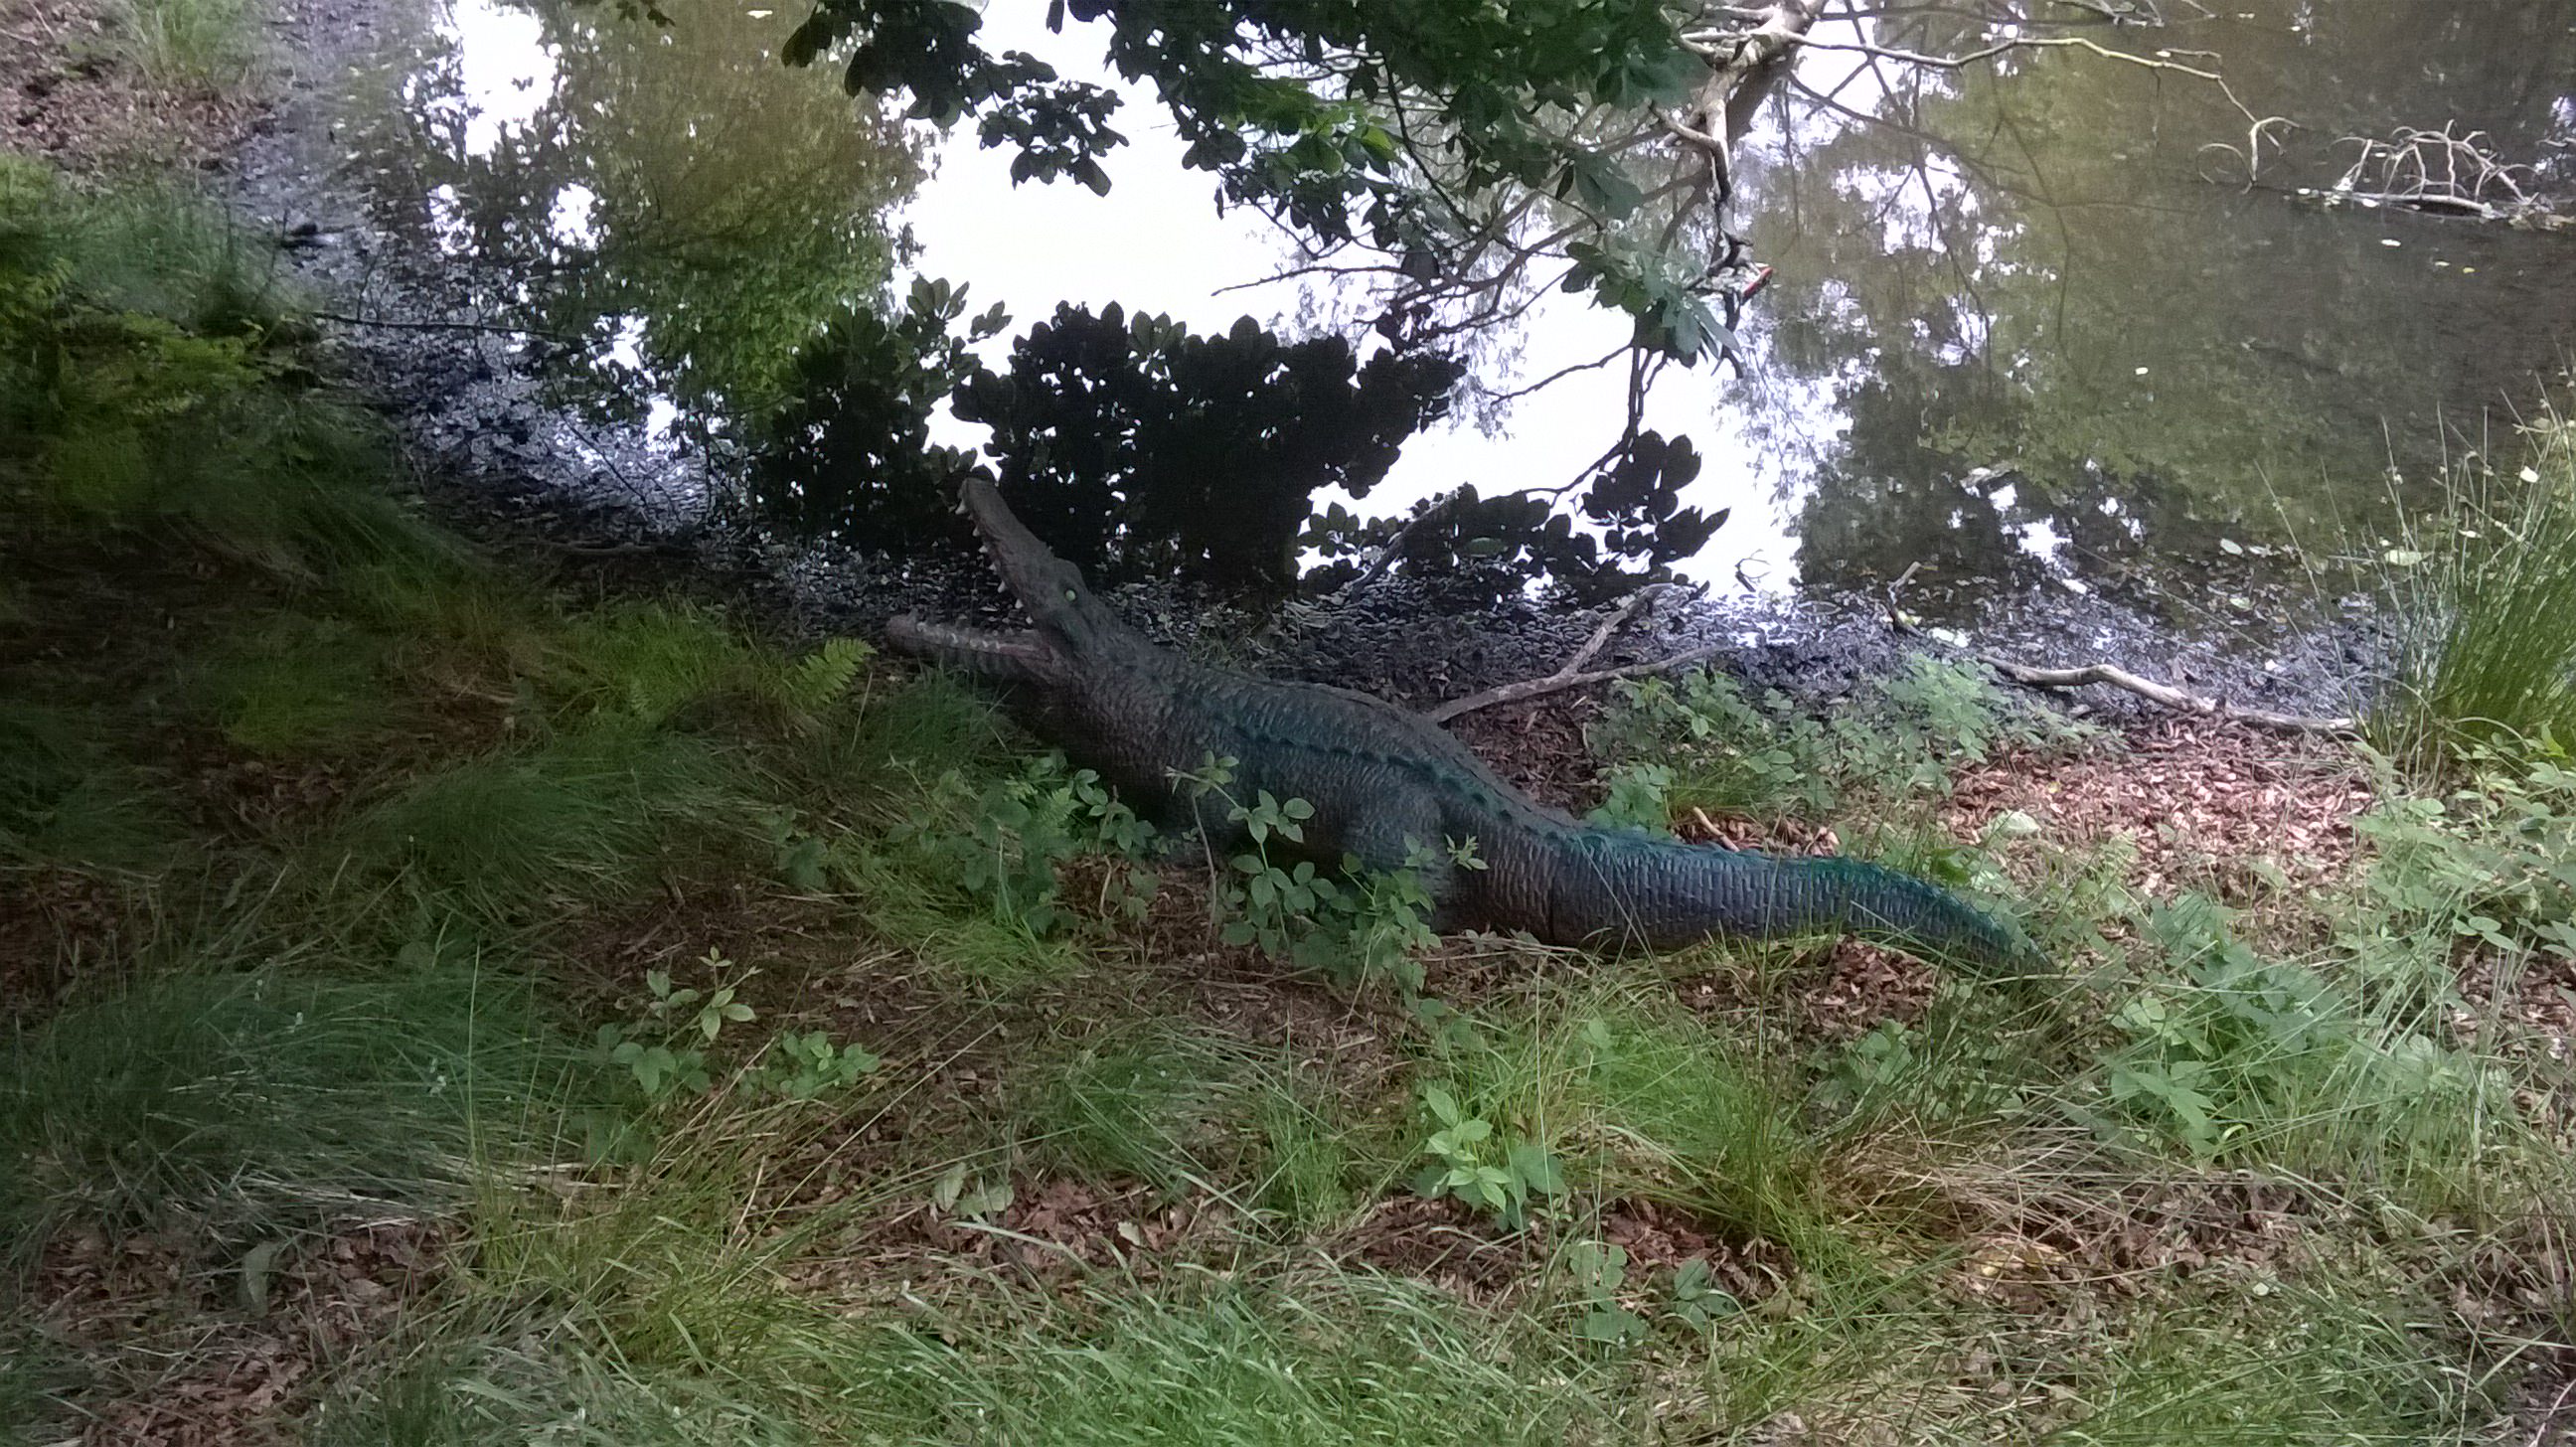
671 207
2057 350
2017 334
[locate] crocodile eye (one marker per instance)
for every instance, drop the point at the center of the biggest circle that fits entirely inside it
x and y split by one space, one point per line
1070 595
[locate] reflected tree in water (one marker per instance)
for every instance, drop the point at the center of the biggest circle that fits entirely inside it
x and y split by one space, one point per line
677 206
2020 276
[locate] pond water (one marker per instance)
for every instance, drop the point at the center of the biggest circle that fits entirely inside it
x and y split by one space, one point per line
2029 325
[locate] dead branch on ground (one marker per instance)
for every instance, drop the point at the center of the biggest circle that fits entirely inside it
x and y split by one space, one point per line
1571 674
2114 676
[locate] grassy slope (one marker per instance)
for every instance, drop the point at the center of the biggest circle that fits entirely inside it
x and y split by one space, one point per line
332 847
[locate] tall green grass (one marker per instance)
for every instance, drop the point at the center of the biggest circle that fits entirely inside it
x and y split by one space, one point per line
2487 649
66 798
296 684
1183 1108
582 816
249 1105
1282 1360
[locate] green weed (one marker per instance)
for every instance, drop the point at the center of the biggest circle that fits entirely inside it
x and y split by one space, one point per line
2303 1366
2252 1061
1312 1157
154 249
1159 1104
1358 925
1350 1357
298 685
1016 833
1606 1092
211 45
1701 744
911 905
1285 1359
147 381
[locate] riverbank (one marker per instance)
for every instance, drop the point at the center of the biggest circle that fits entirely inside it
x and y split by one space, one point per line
467 986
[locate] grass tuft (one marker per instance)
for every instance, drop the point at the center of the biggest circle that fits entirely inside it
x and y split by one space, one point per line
66 799
205 45
250 1105
580 816
2489 657
298 685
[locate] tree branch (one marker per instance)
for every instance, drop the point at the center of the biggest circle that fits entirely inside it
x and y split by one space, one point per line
2117 677
2169 696
1570 674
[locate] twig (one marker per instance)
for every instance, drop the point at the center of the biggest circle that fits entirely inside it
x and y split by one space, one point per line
2170 697
1559 682
1570 674
2546 1418
1605 359
1388 555
2120 678
2256 124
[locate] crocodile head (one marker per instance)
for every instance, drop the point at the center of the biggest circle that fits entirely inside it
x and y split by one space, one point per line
1072 630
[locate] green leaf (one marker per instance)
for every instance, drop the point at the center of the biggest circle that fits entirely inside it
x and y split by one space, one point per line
258 1265
1536 1169
1442 1103
945 1190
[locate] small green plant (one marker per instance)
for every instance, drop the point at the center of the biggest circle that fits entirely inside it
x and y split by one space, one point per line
803 858
1599 1271
807 1066
664 1048
956 1193
1274 900
811 685
1022 828
1361 926
1470 1160
1698 1301
1639 797
2492 861
1700 743
1871 1066
2243 1052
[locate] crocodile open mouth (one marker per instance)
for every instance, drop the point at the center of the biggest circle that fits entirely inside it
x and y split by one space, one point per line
1013 652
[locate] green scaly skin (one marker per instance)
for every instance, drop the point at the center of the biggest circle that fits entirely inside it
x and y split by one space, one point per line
1380 779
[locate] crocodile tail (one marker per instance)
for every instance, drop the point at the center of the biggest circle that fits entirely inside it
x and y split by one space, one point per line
1663 893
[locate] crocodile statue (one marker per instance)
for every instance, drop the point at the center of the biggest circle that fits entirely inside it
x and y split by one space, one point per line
1380 779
